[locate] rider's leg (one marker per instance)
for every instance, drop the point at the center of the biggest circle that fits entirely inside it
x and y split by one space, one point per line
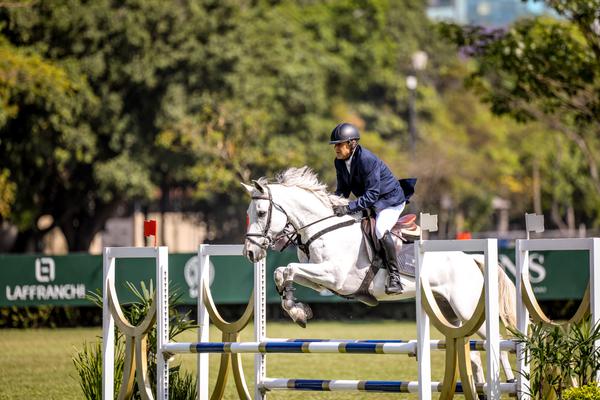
386 219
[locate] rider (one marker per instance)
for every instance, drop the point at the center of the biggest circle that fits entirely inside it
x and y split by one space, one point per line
361 172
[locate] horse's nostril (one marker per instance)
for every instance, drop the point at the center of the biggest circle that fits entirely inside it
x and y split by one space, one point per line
251 254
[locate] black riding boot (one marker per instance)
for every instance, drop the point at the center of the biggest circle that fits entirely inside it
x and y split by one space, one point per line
393 284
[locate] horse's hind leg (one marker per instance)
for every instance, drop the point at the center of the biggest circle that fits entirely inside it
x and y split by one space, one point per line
508 371
477 369
506 367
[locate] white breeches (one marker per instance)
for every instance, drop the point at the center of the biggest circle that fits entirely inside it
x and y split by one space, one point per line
387 218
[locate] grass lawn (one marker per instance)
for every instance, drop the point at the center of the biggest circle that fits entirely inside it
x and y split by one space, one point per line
36 364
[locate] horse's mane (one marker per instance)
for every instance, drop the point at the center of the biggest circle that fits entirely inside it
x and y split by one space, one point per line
306 178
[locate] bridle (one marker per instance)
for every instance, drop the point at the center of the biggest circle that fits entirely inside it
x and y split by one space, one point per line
265 233
289 231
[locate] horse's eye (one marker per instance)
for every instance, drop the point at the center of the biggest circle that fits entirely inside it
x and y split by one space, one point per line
261 214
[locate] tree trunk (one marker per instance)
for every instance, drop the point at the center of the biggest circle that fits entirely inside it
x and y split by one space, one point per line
537 189
29 241
164 202
81 228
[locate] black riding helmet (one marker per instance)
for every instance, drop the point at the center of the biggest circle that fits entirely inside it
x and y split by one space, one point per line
343 133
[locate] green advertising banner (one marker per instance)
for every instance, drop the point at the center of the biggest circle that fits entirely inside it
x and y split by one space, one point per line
27 280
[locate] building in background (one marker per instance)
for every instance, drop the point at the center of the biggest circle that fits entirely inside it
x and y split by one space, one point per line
487 13
183 233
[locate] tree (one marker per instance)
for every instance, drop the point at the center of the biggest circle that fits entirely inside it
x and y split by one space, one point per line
42 144
190 98
125 58
548 70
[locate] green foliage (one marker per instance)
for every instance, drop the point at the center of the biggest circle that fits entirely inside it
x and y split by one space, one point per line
547 70
41 138
120 99
26 317
47 316
88 361
587 392
7 193
560 358
200 95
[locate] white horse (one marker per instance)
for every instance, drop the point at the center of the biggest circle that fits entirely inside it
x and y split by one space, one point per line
338 259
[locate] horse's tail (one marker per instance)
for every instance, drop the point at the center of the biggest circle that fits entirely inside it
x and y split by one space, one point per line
507 295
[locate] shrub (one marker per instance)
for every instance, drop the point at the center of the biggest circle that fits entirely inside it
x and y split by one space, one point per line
560 358
587 392
88 363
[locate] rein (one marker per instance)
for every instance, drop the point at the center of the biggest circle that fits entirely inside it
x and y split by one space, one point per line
294 234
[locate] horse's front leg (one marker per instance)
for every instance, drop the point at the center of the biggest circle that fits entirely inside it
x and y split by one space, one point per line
314 276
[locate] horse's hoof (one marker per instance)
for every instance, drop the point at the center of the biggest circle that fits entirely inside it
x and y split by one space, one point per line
299 317
305 308
510 380
299 313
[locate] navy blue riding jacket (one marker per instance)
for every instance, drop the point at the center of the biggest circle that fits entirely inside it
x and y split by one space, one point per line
371 181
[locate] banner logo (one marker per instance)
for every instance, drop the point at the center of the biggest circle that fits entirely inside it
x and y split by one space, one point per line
44 289
191 271
45 269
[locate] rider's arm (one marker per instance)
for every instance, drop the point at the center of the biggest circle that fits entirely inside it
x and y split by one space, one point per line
372 184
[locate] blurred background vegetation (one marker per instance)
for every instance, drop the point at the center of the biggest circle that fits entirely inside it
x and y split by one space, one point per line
108 106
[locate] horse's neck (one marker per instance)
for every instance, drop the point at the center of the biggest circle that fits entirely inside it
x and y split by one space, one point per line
302 206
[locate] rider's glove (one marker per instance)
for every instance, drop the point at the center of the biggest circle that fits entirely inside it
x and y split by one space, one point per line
340 211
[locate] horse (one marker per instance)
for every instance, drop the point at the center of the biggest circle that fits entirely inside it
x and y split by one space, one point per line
333 255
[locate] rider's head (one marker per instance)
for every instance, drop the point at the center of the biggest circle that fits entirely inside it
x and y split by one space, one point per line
344 137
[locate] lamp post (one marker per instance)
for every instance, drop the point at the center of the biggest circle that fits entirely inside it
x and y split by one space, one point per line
419 62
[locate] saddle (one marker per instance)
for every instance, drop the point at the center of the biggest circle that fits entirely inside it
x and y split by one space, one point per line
404 231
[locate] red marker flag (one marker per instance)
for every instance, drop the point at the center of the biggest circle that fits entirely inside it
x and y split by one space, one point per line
150 229
464 236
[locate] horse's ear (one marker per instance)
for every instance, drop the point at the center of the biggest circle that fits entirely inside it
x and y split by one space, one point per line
249 188
258 186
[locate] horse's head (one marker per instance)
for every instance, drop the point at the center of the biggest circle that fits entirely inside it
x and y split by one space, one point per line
266 220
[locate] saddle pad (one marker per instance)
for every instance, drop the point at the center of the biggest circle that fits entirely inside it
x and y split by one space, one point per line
406 259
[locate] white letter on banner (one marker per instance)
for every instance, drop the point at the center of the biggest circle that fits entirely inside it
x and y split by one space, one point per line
10 297
41 292
81 291
32 292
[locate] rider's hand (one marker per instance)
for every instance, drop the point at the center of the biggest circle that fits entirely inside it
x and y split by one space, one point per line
340 211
